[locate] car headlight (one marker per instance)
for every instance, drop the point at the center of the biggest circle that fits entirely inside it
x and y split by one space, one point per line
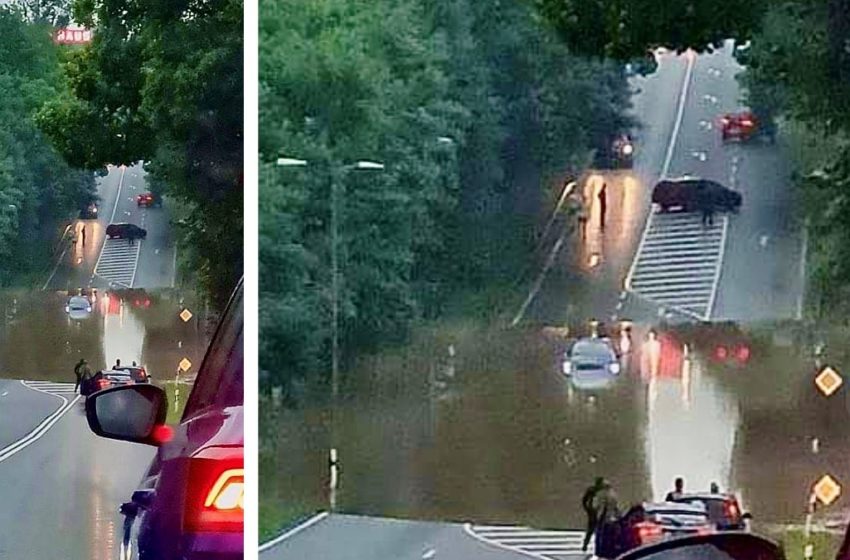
67 309
88 309
568 367
628 149
614 368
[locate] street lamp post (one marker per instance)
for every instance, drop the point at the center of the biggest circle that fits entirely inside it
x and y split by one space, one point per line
337 184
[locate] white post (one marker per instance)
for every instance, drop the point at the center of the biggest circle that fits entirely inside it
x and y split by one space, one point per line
334 480
177 390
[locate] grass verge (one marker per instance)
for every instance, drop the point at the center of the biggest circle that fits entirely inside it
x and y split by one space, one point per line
171 387
824 544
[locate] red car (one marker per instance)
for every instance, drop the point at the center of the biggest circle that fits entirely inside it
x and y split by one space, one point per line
742 125
148 200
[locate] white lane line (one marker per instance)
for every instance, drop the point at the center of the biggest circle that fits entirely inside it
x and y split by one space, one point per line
297 529
59 260
39 431
467 527
118 196
679 114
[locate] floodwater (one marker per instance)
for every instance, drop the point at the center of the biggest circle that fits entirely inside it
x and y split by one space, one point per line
497 434
41 341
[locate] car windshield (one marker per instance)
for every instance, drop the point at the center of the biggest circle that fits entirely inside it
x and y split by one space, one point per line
587 349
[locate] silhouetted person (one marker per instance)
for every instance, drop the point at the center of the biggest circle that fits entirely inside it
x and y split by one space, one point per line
589 506
608 522
715 489
603 205
706 206
78 373
117 364
678 490
83 231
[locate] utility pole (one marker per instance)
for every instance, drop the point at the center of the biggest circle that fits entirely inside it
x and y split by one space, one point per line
335 186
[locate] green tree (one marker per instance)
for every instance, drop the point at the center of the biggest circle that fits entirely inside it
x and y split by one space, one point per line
162 82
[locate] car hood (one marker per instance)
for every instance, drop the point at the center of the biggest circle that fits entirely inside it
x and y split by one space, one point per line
78 314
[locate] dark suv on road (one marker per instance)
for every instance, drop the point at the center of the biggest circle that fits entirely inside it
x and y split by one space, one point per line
125 231
687 193
189 504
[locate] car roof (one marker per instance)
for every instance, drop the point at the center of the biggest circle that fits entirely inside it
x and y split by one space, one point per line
593 346
674 507
706 496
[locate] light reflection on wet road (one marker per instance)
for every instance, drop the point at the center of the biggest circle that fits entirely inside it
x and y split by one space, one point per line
40 340
509 441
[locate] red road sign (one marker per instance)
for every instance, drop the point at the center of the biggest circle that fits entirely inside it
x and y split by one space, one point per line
66 36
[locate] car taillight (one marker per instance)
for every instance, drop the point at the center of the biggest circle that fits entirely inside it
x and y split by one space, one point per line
647 530
102 383
732 510
704 531
747 122
214 501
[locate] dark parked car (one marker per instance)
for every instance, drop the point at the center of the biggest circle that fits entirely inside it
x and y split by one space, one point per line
89 211
189 504
649 523
105 379
687 193
125 231
723 510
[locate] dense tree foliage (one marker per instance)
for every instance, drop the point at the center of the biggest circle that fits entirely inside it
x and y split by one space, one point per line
49 12
799 67
162 82
473 108
37 188
626 29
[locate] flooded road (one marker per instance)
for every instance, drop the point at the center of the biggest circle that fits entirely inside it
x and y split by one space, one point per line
41 341
496 433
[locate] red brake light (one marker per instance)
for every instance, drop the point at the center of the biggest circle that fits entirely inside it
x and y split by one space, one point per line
732 509
721 353
646 530
162 433
743 353
214 501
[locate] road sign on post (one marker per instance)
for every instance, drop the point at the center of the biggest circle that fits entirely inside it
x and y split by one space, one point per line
68 36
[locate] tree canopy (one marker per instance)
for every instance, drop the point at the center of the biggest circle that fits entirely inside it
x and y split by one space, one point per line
162 82
474 108
37 187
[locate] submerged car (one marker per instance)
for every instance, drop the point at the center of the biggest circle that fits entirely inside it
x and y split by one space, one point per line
89 211
687 194
78 307
106 379
591 363
189 504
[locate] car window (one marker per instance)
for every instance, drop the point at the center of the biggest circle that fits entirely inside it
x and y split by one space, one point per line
220 379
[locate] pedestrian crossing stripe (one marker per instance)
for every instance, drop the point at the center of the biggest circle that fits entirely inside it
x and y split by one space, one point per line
53 387
678 262
535 543
118 261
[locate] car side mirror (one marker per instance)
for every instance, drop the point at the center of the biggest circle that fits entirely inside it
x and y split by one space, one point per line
129 413
747 516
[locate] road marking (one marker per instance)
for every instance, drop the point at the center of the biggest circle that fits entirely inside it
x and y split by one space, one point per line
118 261
679 113
678 262
118 196
430 553
38 432
295 530
534 543
59 260
51 387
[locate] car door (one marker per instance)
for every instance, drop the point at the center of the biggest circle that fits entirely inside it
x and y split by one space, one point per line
161 528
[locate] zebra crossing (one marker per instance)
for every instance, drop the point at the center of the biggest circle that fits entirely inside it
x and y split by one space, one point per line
117 262
535 543
52 387
678 262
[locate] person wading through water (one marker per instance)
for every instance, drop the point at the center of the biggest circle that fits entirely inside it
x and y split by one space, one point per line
607 526
587 503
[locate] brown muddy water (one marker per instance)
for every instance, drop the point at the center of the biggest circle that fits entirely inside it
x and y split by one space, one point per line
497 434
